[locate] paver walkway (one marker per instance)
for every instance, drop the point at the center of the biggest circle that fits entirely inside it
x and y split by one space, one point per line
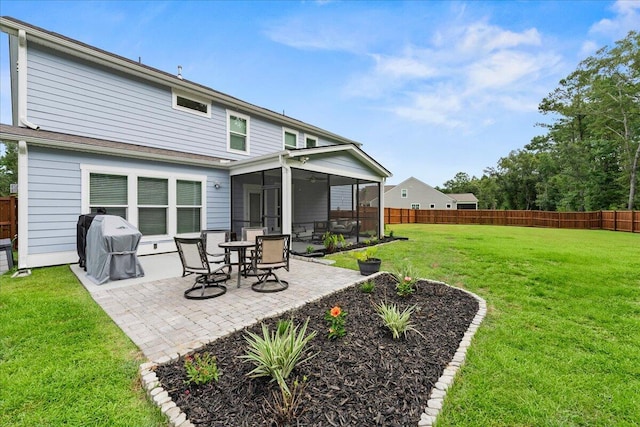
153 312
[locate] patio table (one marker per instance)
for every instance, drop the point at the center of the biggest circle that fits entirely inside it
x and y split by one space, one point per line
239 246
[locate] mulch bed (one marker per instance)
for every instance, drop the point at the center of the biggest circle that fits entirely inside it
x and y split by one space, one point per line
365 378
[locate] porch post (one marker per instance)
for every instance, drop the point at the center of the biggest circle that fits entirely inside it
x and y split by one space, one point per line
287 195
381 207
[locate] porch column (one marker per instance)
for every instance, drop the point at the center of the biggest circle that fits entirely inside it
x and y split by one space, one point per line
381 207
287 194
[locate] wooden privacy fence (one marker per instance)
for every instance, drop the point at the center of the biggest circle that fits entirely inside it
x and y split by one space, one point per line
8 217
599 220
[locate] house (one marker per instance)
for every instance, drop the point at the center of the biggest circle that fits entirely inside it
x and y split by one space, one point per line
415 194
173 157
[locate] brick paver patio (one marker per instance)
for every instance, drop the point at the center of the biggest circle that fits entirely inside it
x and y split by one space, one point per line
153 312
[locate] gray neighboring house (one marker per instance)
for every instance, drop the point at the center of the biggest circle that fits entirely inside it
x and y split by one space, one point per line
171 156
415 194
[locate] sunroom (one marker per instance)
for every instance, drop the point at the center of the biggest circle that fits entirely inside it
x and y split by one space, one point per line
307 193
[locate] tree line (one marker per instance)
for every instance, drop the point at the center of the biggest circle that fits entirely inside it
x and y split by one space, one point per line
589 155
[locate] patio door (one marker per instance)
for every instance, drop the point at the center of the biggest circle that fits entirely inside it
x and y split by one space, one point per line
272 208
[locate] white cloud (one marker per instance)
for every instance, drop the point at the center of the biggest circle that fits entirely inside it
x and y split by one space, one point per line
627 18
480 37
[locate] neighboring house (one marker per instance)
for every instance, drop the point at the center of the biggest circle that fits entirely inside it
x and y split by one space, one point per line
171 156
415 194
465 200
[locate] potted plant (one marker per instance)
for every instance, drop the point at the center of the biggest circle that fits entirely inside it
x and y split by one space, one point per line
367 263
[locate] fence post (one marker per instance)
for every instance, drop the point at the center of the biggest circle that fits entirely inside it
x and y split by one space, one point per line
615 220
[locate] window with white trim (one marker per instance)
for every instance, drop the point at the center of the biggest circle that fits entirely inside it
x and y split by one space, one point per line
289 138
153 205
237 133
404 193
432 206
108 192
191 103
310 141
415 205
448 205
189 205
156 203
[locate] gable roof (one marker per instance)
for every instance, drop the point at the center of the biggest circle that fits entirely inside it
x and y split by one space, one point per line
110 60
464 197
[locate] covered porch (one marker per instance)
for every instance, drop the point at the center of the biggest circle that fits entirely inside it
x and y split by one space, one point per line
308 192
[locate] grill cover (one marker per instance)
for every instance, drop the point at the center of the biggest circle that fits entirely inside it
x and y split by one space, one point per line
112 243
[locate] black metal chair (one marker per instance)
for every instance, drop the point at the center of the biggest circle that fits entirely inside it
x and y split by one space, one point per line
215 254
271 253
194 261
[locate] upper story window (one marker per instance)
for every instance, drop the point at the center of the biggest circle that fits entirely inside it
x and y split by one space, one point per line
311 141
290 138
191 103
432 206
237 132
404 193
415 205
448 205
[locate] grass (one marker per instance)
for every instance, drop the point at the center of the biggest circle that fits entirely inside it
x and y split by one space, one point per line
560 345
62 359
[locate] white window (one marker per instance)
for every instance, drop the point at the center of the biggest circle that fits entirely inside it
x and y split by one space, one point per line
191 103
153 205
189 205
290 138
109 192
157 204
237 133
404 193
448 205
311 141
432 206
415 205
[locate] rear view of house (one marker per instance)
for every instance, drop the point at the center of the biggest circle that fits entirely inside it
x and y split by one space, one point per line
172 157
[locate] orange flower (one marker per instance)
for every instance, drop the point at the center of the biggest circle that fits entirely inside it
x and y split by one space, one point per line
335 311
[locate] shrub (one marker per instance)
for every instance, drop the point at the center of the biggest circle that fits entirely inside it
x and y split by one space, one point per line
201 369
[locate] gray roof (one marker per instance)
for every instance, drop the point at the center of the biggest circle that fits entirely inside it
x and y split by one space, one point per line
464 197
86 144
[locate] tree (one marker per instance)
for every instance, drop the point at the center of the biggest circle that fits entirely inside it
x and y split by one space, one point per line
595 139
8 167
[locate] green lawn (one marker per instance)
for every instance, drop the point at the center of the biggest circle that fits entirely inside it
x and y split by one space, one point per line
560 345
63 362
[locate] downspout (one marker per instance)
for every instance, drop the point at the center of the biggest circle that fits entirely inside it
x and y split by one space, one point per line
21 66
23 205
286 196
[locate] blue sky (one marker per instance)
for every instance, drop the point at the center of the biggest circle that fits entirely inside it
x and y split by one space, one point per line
429 88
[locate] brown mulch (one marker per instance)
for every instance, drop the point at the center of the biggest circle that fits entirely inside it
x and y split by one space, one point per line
365 378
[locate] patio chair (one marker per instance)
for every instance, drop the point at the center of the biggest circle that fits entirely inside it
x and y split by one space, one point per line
271 253
215 254
194 261
249 234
